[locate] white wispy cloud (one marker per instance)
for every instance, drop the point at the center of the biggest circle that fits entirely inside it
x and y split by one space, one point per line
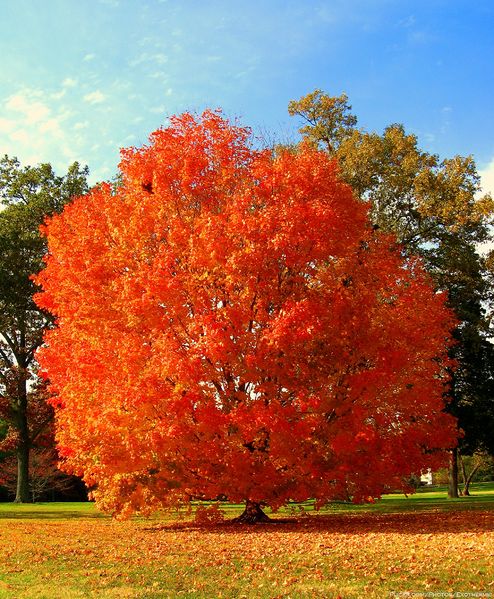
32 109
408 21
34 127
69 82
58 95
157 58
418 38
327 14
95 97
487 178
487 183
89 57
52 126
43 125
21 136
160 58
6 125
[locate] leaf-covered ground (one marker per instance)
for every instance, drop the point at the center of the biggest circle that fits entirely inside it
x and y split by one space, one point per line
341 555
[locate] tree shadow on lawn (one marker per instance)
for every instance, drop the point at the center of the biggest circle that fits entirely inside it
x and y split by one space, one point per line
26 512
406 523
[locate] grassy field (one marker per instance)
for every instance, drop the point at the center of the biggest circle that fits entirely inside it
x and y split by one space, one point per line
424 544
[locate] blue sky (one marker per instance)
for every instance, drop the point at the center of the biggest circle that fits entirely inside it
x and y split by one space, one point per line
81 78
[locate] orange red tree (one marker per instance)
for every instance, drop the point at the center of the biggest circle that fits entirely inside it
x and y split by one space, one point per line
230 325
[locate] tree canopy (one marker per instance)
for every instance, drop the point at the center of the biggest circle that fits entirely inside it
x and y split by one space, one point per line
230 324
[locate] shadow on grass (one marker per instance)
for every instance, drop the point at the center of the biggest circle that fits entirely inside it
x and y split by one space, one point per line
49 511
49 516
428 511
425 523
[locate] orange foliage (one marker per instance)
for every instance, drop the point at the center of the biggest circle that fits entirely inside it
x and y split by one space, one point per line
229 325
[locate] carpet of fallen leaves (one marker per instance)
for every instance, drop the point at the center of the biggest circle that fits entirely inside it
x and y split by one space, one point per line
364 555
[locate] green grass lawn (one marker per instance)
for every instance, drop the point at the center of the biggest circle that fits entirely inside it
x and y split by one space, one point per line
426 498
420 544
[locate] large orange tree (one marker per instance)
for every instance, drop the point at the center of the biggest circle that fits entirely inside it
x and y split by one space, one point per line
230 325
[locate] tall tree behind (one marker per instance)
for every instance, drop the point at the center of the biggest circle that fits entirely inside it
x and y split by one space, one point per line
435 210
28 195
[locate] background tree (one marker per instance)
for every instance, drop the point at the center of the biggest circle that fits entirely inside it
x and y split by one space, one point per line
230 325
45 478
28 195
479 462
435 210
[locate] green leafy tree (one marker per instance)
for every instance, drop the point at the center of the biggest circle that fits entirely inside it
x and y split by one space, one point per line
28 195
435 209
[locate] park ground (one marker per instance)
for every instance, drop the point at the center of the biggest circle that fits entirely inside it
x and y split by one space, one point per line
421 546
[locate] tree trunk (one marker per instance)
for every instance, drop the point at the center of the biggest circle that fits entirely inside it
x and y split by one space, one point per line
453 475
463 473
468 479
252 514
22 493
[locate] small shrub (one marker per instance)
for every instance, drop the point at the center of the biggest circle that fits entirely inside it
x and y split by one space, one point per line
209 515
